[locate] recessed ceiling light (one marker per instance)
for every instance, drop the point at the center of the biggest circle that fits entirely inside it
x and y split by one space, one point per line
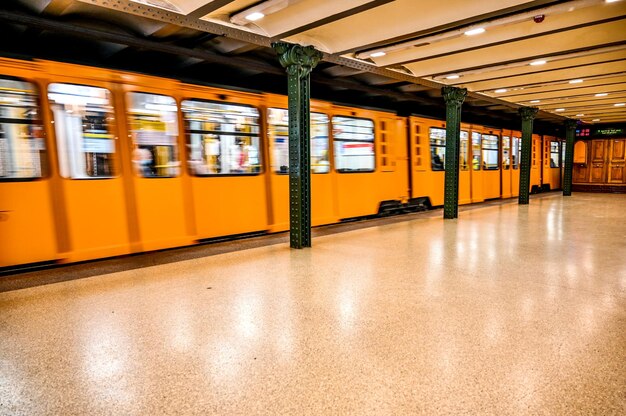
611 1
476 31
378 54
501 90
253 17
576 81
619 104
537 63
580 115
602 94
596 119
453 77
535 101
558 110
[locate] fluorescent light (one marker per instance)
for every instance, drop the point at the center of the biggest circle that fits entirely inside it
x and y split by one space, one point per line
596 119
579 115
535 101
576 81
558 110
500 90
537 63
476 31
378 54
619 104
253 17
602 94
611 1
453 76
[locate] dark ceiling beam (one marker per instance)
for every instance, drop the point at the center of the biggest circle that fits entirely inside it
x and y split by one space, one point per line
333 18
512 40
209 8
129 40
453 25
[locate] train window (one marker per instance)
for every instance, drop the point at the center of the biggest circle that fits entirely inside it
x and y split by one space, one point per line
463 151
476 154
516 151
563 146
82 123
223 139
354 144
278 125
555 154
437 148
506 152
154 128
22 147
490 152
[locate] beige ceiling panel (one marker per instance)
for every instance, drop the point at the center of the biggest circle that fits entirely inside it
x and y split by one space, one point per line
399 18
580 102
504 33
231 8
530 48
572 92
303 13
520 69
562 75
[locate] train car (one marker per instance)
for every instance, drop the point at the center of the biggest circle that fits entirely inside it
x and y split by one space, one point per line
97 163
552 163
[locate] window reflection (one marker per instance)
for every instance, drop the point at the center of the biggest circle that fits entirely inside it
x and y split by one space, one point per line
278 121
490 152
22 147
476 150
555 154
154 129
437 148
82 116
464 150
222 138
506 152
516 151
354 144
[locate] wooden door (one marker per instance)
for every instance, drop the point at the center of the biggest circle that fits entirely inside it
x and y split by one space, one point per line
617 161
598 156
580 171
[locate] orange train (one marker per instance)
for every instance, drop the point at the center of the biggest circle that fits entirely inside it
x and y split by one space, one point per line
97 163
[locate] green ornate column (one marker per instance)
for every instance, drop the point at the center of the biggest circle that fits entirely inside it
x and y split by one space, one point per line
454 98
570 129
528 115
299 61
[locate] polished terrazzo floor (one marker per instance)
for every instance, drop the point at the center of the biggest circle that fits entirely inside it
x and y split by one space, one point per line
508 310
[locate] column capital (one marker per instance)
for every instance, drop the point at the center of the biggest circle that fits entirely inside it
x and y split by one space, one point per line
570 124
453 95
528 113
296 59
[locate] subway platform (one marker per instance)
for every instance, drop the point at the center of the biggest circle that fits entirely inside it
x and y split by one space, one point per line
509 310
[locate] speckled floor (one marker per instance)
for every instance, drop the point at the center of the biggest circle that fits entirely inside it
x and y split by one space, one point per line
508 310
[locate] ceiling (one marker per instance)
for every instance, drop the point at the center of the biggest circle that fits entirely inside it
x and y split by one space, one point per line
566 57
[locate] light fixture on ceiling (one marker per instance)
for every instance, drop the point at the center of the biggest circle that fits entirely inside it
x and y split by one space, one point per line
602 94
537 63
453 76
611 1
580 115
596 119
500 90
619 104
559 110
259 11
535 101
473 32
378 54
576 81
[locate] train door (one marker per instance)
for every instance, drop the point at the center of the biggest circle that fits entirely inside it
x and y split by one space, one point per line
491 166
92 195
421 185
477 171
505 166
535 163
225 162
516 152
27 229
154 145
323 194
465 192
617 161
551 163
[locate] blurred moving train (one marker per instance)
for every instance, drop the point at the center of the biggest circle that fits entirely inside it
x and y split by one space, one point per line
97 163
